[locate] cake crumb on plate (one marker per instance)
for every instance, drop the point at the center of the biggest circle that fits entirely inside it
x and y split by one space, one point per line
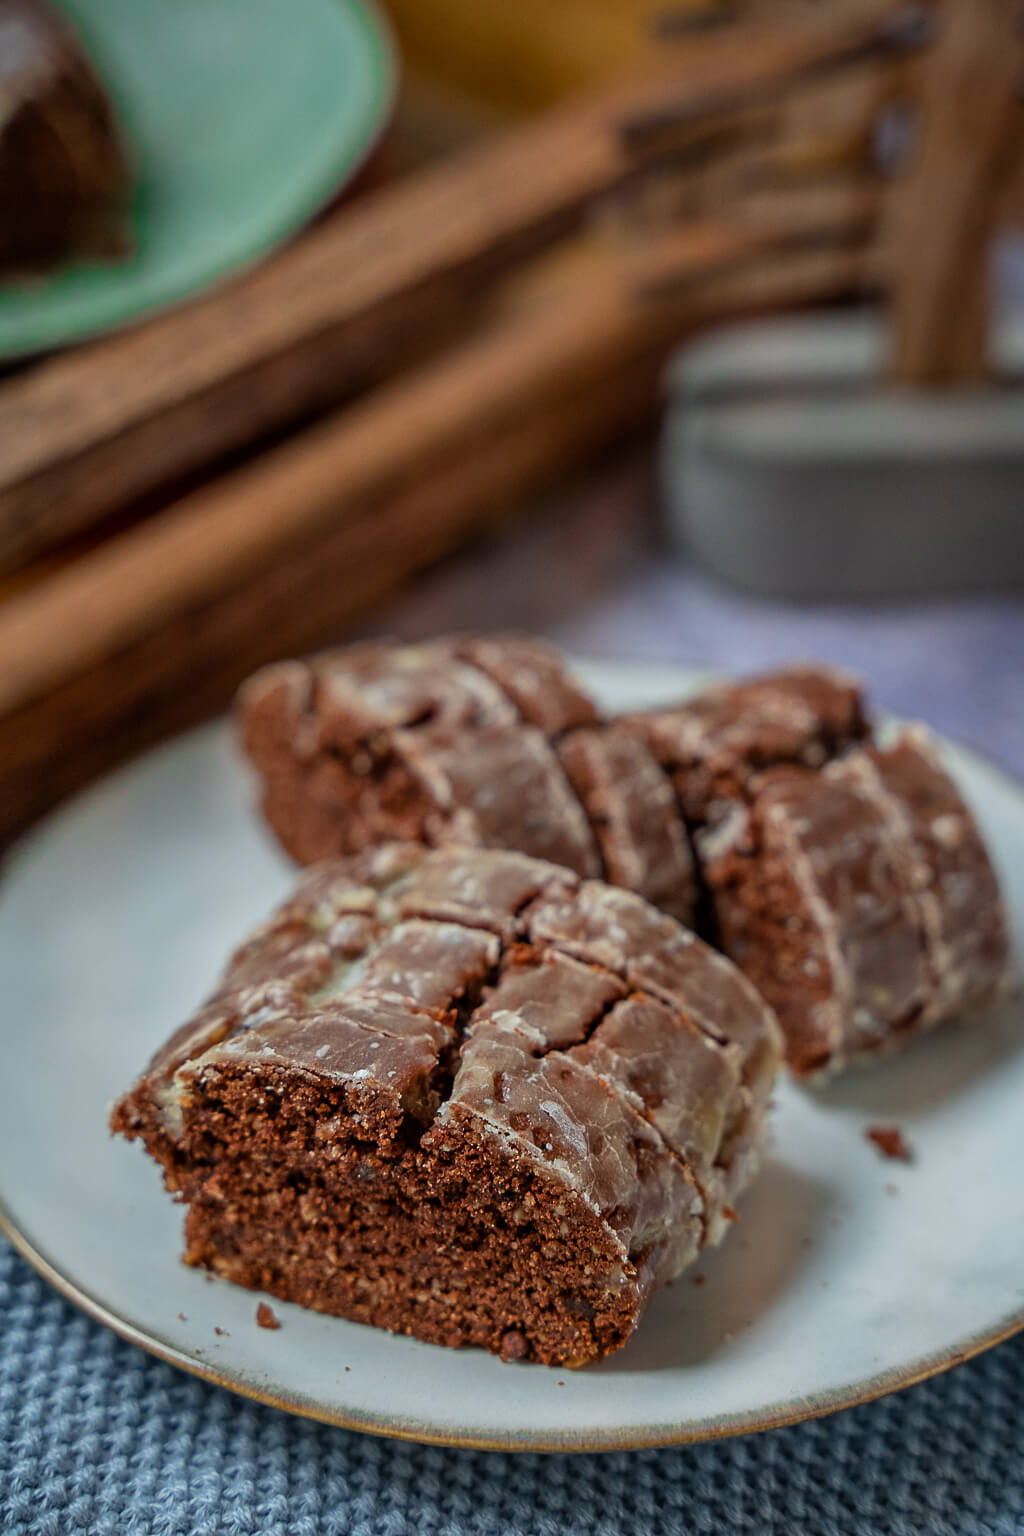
890 1141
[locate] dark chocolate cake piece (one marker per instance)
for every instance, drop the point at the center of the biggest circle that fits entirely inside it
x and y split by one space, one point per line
64 171
860 900
462 1095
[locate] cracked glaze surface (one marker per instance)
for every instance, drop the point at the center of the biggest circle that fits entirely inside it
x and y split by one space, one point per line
453 983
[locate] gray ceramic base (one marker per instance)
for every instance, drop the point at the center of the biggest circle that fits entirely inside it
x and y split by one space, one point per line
788 470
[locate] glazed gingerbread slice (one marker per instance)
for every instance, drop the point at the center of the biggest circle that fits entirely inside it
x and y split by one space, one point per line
490 742
443 742
482 741
631 807
962 911
861 902
422 1098
714 744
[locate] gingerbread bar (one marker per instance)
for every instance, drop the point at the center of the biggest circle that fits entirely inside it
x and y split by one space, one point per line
713 744
488 742
632 809
860 900
463 1095
445 742
956 886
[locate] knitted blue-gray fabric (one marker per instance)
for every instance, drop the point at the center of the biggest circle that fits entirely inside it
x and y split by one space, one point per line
97 1437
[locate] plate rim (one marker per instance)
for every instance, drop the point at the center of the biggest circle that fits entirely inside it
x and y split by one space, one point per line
370 19
688 1432
780 1416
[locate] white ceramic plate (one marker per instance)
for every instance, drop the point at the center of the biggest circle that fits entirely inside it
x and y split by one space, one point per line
847 1276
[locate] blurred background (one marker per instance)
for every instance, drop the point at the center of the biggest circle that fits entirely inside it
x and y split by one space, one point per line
686 335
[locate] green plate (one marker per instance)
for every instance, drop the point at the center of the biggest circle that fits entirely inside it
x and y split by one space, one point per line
245 117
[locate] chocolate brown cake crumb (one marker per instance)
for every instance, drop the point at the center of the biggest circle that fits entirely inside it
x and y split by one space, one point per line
890 1141
463 1095
513 1345
266 1317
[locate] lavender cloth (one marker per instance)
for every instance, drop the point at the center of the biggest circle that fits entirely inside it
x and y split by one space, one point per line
958 666
98 1438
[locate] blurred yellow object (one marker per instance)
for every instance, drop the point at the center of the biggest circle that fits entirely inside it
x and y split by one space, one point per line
518 58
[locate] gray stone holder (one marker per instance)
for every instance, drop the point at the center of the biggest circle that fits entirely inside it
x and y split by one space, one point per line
789 469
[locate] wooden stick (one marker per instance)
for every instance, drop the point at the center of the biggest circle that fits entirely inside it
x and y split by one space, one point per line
792 278
943 216
691 257
189 667
196 551
88 432
675 22
220 537
829 128
868 31
91 705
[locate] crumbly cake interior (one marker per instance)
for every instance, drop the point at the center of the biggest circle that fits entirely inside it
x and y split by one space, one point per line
462 1096
340 804
460 1244
764 923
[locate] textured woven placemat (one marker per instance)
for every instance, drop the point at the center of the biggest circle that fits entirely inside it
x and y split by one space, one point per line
100 1439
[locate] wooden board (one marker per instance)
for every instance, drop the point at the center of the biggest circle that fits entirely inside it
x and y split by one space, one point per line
943 216
87 433
155 629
